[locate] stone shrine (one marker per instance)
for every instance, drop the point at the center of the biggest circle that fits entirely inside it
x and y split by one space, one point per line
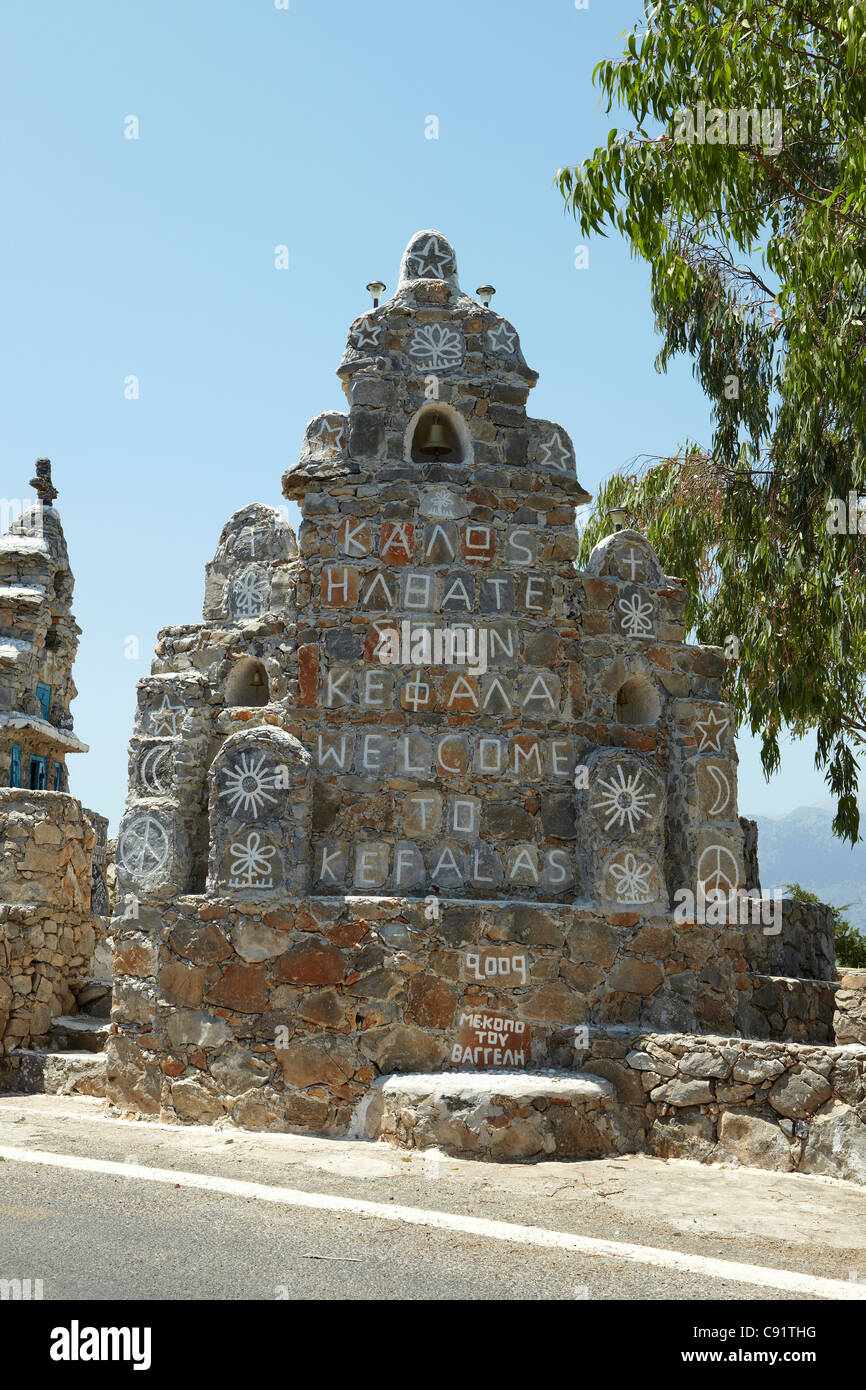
417 796
54 904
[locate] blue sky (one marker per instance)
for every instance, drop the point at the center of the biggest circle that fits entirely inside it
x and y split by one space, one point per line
154 257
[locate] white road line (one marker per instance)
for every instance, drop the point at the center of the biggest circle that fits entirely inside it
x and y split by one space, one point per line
758 1275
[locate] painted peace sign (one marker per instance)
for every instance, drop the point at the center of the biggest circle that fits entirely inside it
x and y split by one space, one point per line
143 847
717 868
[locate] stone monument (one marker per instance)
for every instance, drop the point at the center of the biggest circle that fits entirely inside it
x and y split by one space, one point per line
418 801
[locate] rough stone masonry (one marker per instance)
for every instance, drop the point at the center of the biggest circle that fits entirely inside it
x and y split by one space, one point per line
417 795
53 901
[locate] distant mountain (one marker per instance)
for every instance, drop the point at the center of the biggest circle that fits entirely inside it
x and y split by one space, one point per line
801 848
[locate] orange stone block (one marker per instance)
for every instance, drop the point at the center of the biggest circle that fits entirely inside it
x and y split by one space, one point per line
308 676
398 542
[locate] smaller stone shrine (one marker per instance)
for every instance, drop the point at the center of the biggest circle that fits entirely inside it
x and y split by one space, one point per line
418 801
54 907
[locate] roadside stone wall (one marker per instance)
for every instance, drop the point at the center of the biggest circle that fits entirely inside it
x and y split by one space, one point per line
850 1017
47 932
784 1106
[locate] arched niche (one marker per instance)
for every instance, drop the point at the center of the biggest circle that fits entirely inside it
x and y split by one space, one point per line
438 434
247 683
637 703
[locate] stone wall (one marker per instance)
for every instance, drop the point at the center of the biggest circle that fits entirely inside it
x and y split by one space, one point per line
363 986
803 949
778 1006
850 1017
775 1105
47 933
771 1105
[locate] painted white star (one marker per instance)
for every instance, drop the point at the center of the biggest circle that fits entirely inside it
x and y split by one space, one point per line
327 436
429 261
711 730
367 333
555 453
502 339
164 718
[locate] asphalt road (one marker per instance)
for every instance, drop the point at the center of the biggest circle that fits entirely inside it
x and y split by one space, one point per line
107 1235
88 1236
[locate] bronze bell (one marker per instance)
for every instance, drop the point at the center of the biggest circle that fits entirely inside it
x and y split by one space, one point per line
436 444
257 678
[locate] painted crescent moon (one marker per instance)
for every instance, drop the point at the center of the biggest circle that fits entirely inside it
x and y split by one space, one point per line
723 790
151 764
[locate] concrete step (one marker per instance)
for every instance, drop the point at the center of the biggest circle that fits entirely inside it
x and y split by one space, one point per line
499 1115
28 1072
78 1032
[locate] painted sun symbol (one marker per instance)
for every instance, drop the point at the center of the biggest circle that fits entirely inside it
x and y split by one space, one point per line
624 800
248 785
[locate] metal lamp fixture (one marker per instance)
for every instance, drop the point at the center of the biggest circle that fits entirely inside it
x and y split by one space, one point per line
485 294
376 289
619 517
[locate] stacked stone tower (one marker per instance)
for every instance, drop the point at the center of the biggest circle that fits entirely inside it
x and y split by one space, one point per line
52 894
38 642
417 794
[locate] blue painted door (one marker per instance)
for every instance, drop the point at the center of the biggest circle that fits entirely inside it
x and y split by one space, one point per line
43 695
15 766
39 774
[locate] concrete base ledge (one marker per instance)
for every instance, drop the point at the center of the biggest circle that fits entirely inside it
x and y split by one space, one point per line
499 1116
29 1072
529 1086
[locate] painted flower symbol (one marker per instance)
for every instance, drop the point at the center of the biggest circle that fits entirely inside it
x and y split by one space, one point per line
631 880
435 345
252 859
636 616
250 593
624 799
248 785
